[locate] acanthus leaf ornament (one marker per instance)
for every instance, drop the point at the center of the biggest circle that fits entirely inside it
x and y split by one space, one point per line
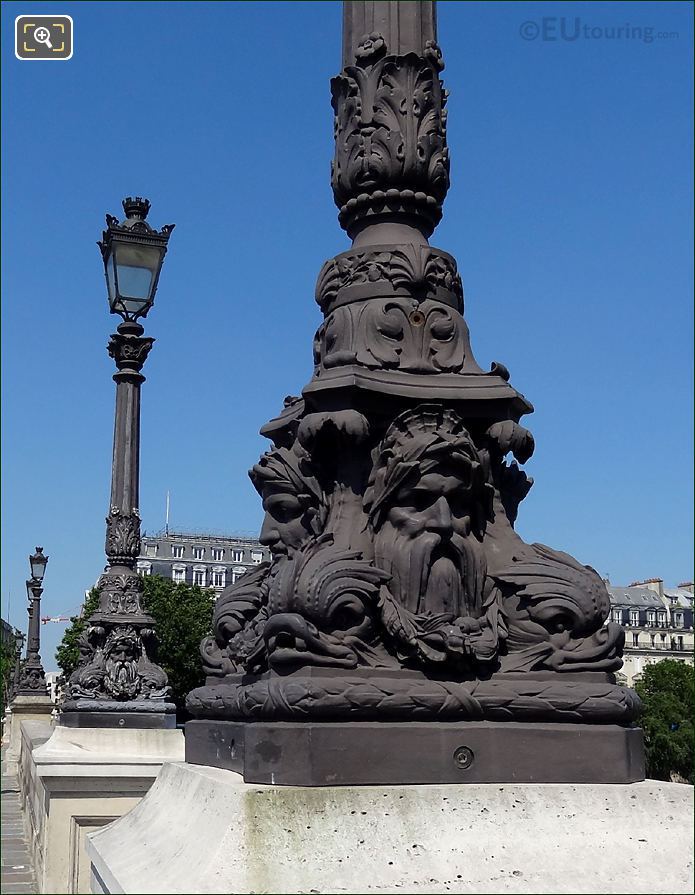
418 271
122 535
390 135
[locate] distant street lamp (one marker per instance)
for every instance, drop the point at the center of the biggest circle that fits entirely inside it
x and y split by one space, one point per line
32 679
18 647
117 671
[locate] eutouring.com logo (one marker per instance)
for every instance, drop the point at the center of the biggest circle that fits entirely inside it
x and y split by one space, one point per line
561 28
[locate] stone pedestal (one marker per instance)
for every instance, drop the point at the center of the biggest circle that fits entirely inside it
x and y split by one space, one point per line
204 830
81 779
382 752
25 708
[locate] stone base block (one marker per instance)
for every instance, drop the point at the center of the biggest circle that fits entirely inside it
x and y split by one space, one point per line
144 713
382 752
82 779
25 708
204 830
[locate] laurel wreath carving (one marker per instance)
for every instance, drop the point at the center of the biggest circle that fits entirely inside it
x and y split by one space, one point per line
363 699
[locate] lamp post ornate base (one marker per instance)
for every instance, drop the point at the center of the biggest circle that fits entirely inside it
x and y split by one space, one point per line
120 683
118 671
402 614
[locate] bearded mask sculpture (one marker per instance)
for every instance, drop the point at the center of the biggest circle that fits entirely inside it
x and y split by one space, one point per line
428 504
121 654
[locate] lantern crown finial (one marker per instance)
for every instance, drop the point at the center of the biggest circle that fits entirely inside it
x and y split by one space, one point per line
136 207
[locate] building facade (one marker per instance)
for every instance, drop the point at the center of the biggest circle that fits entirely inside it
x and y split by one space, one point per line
7 632
208 560
658 624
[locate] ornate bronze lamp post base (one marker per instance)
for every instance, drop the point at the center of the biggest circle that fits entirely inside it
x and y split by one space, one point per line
404 632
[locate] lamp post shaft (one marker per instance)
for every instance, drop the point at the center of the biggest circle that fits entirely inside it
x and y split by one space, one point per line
126 440
405 25
34 640
129 349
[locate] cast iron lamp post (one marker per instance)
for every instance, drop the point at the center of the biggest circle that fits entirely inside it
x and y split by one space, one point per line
117 672
32 679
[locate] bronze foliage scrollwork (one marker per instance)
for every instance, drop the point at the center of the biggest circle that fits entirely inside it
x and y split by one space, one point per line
392 334
421 271
439 581
122 535
390 136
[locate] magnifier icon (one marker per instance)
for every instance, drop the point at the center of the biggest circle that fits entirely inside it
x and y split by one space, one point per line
43 36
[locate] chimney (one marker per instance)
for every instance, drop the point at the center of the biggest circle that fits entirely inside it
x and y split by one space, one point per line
654 584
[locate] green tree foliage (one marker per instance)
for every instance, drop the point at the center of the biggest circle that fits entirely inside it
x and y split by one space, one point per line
67 653
183 616
667 690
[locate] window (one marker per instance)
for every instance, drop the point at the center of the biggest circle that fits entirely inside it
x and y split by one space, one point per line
177 551
237 555
198 552
217 554
178 574
678 619
651 617
662 619
151 550
218 577
236 574
256 557
635 639
199 577
144 568
634 617
618 616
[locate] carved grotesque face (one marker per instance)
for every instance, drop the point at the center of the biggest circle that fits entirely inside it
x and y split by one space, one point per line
122 654
287 523
292 499
425 499
422 542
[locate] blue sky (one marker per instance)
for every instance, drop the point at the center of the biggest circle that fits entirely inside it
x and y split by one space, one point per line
569 214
